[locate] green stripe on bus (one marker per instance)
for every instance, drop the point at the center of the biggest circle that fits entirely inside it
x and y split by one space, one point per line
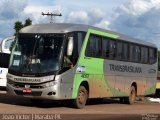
151 89
94 66
103 33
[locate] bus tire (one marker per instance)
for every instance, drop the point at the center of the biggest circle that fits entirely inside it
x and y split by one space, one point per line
81 99
132 96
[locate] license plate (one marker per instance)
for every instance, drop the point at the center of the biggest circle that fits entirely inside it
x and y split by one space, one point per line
27 90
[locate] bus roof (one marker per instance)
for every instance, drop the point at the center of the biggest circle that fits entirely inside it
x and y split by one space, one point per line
67 27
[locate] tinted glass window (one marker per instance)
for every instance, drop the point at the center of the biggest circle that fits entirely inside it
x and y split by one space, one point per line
112 49
125 51
105 47
134 53
144 54
152 55
80 36
37 54
138 54
119 50
98 47
94 47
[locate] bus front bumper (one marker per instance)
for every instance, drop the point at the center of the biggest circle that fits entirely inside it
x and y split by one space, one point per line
45 93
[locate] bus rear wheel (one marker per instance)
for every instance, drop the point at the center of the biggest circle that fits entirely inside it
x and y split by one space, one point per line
82 97
132 97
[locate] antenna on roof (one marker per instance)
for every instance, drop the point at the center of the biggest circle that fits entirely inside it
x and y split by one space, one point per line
52 15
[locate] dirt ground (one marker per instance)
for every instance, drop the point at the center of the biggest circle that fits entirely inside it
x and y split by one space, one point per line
108 109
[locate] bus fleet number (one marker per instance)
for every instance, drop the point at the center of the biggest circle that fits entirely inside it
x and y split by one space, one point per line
85 75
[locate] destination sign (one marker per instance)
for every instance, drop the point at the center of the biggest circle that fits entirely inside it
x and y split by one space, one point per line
27 80
125 68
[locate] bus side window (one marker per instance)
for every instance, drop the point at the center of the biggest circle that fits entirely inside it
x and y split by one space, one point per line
152 55
98 47
119 51
89 48
144 55
80 37
112 49
135 53
125 49
105 48
94 47
132 53
67 60
138 51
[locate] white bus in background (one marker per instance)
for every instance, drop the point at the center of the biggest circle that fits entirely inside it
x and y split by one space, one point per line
4 60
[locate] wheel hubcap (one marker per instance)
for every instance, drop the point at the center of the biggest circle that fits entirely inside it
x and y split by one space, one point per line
81 97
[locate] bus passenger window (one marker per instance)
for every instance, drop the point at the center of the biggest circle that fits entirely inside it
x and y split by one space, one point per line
138 55
105 48
89 48
94 47
144 55
125 52
112 49
119 51
132 53
98 47
135 53
152 55
80 37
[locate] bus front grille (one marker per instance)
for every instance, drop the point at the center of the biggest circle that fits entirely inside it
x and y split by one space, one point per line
33 93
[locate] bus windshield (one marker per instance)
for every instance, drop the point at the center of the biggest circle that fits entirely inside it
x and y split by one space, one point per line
36 54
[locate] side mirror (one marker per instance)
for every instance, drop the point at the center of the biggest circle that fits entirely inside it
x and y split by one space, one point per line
6 44
70 46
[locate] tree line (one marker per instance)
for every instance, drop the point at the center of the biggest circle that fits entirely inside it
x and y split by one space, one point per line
19 25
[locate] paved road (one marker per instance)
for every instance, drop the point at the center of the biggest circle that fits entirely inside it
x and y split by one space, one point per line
107 109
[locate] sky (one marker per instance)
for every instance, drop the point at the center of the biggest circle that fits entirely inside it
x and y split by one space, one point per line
136 18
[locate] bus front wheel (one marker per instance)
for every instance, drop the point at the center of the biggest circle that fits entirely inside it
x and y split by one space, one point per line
82 97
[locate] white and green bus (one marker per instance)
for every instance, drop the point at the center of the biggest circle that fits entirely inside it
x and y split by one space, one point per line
80 62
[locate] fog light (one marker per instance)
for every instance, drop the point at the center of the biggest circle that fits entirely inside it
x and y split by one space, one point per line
52 93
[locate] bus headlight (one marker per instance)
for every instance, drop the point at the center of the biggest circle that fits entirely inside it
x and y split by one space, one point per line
48 78
49 84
